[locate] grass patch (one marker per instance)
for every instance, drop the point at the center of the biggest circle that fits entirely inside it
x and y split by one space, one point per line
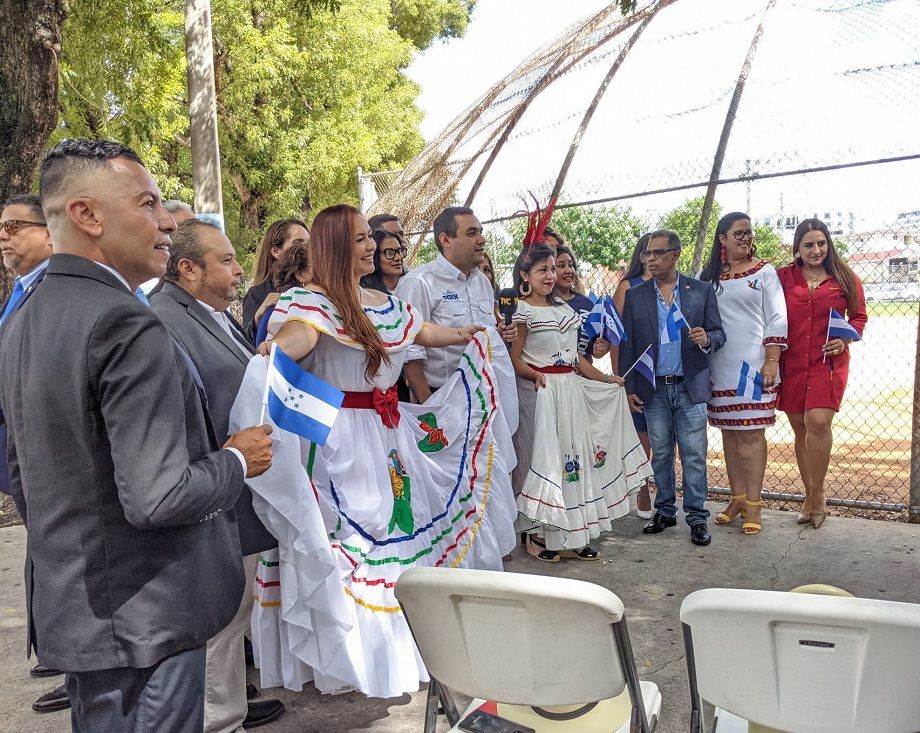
892 308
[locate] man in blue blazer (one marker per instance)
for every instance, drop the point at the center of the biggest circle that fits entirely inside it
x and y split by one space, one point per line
675 406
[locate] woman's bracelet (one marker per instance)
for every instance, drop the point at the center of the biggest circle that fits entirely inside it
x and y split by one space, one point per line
533 377
606 379
770 359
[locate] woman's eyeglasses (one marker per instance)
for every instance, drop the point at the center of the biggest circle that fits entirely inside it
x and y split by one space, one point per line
14 225
743 234
391 253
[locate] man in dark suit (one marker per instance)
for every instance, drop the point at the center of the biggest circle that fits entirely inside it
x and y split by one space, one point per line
133 558
202 279
675 408
26 246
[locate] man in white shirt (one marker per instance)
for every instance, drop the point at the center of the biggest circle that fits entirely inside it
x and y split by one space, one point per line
452 292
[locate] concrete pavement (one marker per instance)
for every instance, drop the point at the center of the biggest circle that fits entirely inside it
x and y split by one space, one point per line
651 574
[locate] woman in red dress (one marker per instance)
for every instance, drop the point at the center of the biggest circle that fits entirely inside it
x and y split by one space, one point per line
813 369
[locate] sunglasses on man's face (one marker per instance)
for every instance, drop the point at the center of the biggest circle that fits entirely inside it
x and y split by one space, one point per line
656 253
14 225
391 253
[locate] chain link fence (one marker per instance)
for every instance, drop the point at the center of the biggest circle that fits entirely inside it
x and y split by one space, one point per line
692 108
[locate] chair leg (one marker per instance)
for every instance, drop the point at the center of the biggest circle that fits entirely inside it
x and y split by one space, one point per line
447 704
431 708
697 724
639 719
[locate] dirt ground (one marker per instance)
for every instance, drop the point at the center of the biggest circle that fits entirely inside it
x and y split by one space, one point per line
8 514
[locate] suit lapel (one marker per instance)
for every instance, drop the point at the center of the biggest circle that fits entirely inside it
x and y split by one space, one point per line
207 321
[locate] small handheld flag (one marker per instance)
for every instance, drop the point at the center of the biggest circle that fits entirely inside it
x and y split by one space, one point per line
750 383
645 365
613 326
672 325
299 402
593 324
839 328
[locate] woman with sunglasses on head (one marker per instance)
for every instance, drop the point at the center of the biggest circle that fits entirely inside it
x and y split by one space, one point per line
814 368
389 259
754 319
578 453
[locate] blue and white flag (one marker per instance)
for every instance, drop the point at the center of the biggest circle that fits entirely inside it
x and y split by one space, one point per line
593 296
839 328
645 365
613 326
672 325
593 324
299 402
750 383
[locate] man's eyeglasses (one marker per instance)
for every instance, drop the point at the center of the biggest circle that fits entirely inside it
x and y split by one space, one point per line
14 225
391 253
656 253
742 234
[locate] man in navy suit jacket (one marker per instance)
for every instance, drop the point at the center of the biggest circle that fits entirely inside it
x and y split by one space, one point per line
675 406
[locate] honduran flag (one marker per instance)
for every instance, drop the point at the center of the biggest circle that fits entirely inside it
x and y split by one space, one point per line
593 324
839 328
645 365
750 383
613 325
672 325
299 402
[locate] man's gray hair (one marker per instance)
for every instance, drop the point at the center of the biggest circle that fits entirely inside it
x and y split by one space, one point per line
672 236
174 205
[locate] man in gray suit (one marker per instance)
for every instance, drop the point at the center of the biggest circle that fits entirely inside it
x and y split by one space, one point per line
202 279
133 558
675 408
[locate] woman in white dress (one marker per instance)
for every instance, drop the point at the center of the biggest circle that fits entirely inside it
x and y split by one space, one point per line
753 312
584 455
397 485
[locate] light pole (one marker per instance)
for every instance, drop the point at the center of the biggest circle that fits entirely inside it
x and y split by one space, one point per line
199 54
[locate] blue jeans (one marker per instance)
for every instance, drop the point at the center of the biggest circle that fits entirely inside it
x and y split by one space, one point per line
673 418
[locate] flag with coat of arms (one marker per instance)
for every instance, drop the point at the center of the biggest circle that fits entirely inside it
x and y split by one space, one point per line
839 328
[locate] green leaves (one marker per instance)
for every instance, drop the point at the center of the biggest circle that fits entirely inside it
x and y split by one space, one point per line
307 91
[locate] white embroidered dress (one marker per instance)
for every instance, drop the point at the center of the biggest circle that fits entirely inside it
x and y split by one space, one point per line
373 501
586 457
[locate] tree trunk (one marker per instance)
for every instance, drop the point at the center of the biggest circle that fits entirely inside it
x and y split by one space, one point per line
30 36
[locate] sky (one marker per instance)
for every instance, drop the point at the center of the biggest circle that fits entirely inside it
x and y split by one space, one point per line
503 33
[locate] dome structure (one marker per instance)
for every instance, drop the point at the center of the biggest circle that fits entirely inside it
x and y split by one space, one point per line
788 106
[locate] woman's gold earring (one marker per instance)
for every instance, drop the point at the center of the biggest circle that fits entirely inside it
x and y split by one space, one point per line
528 291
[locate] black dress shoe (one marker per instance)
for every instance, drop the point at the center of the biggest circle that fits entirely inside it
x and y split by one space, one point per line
52 701
252 692
263 713
659 523
39 670
699 534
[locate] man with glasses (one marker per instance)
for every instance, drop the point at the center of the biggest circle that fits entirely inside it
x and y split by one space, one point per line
26 246
675 406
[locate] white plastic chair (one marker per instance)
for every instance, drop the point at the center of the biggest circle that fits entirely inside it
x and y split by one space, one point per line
802 663
552 654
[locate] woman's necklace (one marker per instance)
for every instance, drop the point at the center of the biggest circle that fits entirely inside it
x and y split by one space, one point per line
814 280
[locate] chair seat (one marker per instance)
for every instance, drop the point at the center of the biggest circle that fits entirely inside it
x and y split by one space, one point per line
726 722
608 716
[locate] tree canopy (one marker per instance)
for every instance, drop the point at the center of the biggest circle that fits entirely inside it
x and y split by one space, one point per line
307 91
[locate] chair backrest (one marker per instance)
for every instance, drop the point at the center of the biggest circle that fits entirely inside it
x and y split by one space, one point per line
510 637
806 663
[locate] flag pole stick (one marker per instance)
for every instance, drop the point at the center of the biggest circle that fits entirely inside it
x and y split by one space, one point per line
636 361
268 379
827 337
